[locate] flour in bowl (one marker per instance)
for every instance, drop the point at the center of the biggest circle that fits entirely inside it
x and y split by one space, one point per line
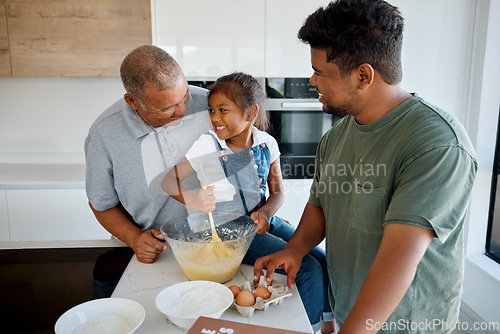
104 324
198 301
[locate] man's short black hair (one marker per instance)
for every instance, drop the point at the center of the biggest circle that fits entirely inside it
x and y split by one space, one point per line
354 32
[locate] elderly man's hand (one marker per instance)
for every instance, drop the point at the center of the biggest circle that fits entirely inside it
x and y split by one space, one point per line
148 246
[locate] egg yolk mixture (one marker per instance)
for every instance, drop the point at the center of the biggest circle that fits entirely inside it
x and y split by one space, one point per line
212 261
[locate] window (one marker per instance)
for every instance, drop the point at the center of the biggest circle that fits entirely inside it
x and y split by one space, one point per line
493 236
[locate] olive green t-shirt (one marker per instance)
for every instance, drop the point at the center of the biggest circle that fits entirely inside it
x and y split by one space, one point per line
416 166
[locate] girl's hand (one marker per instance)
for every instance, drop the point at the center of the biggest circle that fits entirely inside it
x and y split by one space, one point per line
204 200
261 219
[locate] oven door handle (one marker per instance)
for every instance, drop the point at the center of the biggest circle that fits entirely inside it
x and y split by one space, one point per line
315 105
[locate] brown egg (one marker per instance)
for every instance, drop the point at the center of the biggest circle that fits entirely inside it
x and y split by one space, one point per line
235 290
262 292
245 298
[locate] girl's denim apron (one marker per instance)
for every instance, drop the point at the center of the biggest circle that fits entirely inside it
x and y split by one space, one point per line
247 171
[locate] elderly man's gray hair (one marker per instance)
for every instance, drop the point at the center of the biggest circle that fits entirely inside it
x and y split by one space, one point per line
148 64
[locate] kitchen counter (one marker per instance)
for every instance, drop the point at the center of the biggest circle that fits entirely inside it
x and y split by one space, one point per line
142 282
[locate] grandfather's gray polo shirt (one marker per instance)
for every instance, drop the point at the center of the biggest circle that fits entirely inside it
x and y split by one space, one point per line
127 158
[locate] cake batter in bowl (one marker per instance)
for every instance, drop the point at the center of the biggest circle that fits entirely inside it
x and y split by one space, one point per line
201 259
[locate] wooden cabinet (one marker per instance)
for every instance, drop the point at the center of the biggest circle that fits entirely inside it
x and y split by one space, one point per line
4 43
50 38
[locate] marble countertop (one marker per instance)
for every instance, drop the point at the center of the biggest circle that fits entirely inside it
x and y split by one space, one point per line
42 175
142 282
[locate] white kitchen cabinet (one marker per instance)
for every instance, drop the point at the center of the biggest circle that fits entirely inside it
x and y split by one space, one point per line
52 214
212 38
286 56
296 196
4 218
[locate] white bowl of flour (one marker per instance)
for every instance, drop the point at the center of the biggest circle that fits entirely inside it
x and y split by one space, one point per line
184 302
106 315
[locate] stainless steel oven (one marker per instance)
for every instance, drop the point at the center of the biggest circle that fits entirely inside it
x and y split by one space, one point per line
297 122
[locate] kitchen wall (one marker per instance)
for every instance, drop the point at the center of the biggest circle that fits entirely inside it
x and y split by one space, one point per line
449 57
47 119
482 275
38 112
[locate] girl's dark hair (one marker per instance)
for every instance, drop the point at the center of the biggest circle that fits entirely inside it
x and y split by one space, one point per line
244 90
354 32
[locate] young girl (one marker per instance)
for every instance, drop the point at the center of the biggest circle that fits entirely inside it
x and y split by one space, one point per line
236 161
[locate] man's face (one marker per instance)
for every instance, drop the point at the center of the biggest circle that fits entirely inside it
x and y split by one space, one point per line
161 107
337 94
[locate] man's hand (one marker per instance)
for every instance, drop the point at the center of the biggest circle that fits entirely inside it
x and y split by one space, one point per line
261 219
285 259
147 246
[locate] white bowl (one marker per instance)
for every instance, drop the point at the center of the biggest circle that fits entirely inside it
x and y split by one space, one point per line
184 302
129 310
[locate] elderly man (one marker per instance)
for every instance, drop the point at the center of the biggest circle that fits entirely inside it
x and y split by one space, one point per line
135 141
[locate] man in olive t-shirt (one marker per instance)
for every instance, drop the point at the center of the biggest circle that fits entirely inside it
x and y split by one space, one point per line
393 172
392 183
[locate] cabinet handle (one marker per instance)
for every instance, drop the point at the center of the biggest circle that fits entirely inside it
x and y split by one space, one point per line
301 104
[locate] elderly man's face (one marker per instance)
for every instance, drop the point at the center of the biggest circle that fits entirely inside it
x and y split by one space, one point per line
161 107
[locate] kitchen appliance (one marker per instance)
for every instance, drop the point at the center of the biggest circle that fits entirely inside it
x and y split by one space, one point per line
298 122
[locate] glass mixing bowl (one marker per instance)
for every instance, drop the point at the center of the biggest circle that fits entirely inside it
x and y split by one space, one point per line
201 259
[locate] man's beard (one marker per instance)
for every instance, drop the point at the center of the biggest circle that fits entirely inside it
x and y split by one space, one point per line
345 108
341 110
336 111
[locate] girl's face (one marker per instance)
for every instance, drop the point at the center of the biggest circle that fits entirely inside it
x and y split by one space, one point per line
230 122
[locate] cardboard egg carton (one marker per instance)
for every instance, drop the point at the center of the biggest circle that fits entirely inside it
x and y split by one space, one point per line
278 293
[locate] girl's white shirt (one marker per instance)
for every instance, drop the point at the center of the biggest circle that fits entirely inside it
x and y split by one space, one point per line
204 154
